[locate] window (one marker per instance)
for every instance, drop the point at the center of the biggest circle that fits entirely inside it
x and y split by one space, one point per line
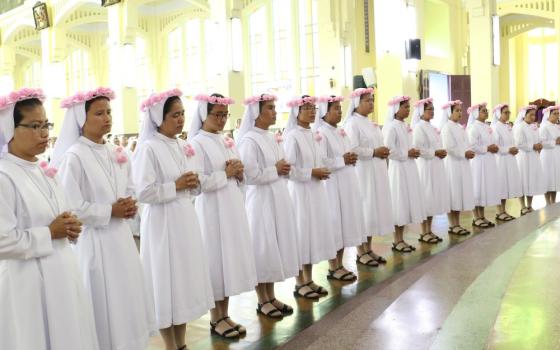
194 80
32 75
258 50
284 73
175 69
309 45
78 73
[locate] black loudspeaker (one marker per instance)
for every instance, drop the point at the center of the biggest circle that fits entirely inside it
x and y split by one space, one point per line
412 49
359 82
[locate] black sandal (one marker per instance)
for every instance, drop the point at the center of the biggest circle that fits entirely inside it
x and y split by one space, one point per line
525 211
274 313
307 295
401 247
490 223
343 278
504 217
184 347
285 310
460 232
430 240
371 262
319 290
480 223
227 332
239 328
436 236
378 258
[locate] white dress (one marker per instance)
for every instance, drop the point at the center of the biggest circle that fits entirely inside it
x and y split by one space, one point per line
530 168
483 166
221 211
407 195
509 183
172 251
373 177
455 142
343 189
310 198
433 176
42 300
269 208
550 155
112 273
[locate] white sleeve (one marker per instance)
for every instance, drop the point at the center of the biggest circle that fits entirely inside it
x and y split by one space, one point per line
356 143
254 173
210 181
148 188
293 154
390 141
421 142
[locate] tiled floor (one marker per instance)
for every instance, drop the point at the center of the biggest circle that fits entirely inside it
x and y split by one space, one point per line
417 301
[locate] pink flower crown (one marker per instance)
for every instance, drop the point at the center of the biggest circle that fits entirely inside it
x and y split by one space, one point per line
159 98
21 95
424 101
259 98
298 102
398 100
330 99
214 100
84 96
527 108
499 107
361 91
475 107
452 103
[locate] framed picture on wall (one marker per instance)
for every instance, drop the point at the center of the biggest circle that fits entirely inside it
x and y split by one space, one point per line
106 3
41 15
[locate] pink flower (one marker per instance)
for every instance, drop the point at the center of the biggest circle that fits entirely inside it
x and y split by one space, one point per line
214 100
154 99
490 131
82 97
398 100
44 165
228 142
318 137
330 99
342 132
375 124
437 131
259 98
121 159
51 172
119 149
189 150
278 138
408 128
298 102
361 91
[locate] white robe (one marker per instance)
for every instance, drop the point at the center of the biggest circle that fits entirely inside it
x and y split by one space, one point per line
269 208
112 273
433 176
509 180
43 304
343 189
407 195
172 251
550 155
221 211
310 198
530 168
373 177
455 142
483 166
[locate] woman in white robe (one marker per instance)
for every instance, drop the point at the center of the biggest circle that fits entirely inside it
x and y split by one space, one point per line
221 211
509 181
455 142
96 176
549 133
269 208
366 140
527 139
342 185
406 192
172 250
42 301
309 194
483 166
431 167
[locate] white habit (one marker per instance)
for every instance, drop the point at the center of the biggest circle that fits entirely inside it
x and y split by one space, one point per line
483 166
509 180
528 161
550 155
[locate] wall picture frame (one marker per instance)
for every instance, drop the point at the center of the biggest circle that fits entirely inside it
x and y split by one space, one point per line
41 16
106 3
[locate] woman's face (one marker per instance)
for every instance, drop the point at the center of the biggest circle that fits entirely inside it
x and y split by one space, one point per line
553 118
483 114
174 121
404 111
31 135
530 116
217 118
428 112
366 104
334 114
505 114
457 110
307 113
267 115
98 118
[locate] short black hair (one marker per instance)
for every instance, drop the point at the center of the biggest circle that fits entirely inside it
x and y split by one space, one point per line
211 105
168 103
88 103
24 105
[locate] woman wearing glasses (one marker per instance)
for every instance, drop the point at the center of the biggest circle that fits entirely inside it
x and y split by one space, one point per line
221 211
42 301
304 152
508 172
97 177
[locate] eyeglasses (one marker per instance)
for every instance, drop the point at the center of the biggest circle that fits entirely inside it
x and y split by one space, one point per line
38 127
221 116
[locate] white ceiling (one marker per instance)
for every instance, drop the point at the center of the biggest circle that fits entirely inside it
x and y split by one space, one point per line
158 7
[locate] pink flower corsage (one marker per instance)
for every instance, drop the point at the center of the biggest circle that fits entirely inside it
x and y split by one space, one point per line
534 126
318 137
228 142
279 138
189 150
47 170
490 131
375 124
120 155
342 132
408 128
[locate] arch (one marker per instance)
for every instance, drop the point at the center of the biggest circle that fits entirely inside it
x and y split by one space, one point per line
20 31
71 7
